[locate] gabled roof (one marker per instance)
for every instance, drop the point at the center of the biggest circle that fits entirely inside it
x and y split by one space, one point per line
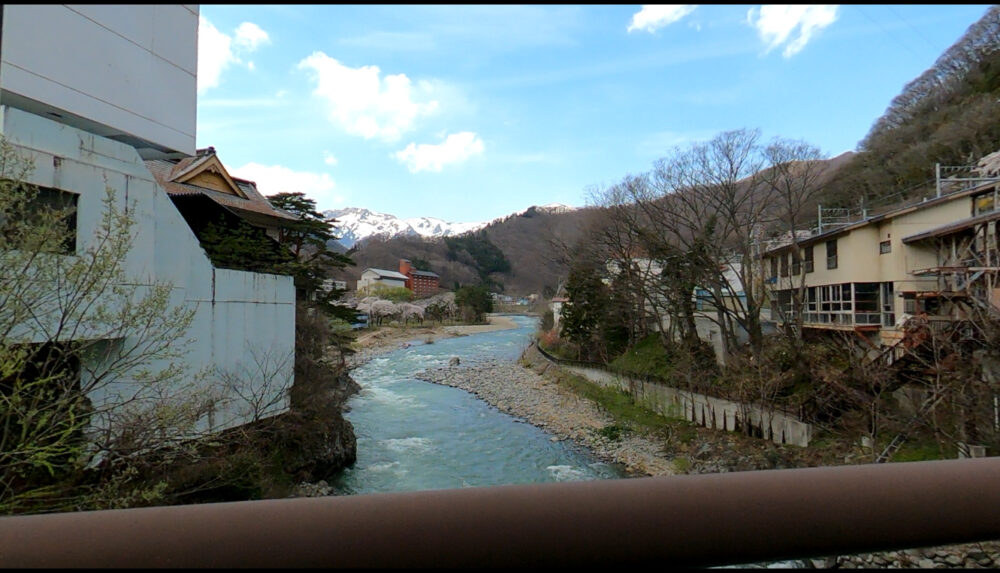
204 174
384 274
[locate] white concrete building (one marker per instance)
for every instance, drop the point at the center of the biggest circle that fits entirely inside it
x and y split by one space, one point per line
371 277
87 93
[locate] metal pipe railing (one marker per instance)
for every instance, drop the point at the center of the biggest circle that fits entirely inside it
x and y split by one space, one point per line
714 519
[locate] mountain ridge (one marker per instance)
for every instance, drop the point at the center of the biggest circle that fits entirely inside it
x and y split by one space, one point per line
355 224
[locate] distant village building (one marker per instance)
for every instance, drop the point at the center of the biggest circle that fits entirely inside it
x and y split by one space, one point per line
422 283
372 277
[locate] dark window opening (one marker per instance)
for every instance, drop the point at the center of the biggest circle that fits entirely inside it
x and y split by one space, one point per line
45 209
831 254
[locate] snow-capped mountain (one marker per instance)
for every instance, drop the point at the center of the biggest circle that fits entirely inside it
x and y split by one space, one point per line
550 208
356 223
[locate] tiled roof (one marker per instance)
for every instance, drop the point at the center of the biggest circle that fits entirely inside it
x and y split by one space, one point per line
425 274
165 172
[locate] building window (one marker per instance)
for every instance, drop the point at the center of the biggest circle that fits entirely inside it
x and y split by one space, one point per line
809 259
888 305
831 254
784 265
774 267
885 247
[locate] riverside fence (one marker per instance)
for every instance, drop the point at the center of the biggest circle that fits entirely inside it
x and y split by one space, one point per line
776 425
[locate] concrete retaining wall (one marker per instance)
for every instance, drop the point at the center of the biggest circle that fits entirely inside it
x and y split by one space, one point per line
703 410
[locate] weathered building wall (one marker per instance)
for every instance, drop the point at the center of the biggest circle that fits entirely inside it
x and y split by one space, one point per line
244 322
122 71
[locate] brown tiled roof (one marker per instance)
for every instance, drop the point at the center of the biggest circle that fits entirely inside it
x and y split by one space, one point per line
166 171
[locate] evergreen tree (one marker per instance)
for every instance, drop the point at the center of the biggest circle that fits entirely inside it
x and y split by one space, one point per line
307 239
474 302
584 314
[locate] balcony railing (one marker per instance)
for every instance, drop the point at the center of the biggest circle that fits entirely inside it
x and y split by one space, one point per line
698 520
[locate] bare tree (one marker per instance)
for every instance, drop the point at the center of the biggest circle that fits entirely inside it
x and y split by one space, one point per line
261 383
707 204
793 180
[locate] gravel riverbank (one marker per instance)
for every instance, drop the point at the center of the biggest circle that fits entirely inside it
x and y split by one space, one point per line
524 394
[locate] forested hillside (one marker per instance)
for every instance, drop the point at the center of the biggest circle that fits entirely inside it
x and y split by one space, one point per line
519 255
950 115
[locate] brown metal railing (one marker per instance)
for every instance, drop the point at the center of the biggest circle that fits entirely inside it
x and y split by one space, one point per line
733 518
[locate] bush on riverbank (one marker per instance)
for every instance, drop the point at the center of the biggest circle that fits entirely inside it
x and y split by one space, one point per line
648 357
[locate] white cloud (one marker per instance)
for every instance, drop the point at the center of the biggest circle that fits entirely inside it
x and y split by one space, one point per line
363 103
214 54
250 36
776 24
329 158
456 147
217 50
655 16
271 179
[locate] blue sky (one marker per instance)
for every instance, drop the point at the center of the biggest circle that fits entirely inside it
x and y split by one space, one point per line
467 113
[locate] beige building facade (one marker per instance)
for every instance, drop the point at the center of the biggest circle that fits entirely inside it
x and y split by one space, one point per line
870 276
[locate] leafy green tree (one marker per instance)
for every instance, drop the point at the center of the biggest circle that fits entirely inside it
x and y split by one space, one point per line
474 302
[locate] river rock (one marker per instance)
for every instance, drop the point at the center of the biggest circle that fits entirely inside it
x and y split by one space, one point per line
454 361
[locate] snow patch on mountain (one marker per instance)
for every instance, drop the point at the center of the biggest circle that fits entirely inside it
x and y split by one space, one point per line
354 224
